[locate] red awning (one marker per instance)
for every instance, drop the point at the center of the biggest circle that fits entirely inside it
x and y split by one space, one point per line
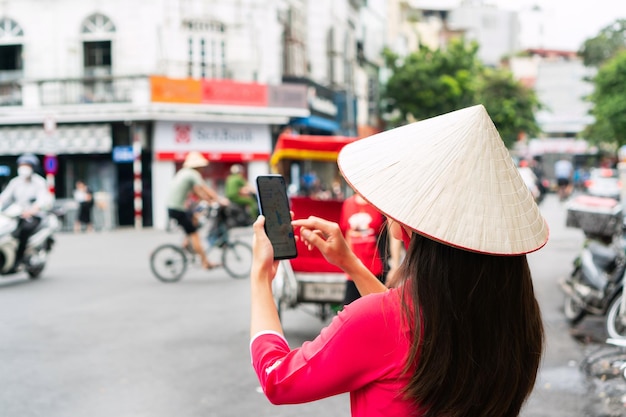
313 147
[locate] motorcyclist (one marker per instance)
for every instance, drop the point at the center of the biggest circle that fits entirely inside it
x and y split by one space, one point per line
29 191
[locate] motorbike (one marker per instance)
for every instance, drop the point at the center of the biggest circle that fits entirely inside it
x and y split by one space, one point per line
38 246
596 282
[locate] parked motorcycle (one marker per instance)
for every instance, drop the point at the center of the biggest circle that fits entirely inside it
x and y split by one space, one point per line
595 284
37 249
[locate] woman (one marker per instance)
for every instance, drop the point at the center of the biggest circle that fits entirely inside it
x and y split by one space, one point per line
84 197
461 335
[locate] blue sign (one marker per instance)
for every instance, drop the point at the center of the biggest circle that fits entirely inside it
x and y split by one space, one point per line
123 154
50 164
5 171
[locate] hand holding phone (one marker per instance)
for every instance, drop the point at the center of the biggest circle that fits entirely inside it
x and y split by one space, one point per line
274 206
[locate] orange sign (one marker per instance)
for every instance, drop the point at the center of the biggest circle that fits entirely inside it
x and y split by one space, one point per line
169 90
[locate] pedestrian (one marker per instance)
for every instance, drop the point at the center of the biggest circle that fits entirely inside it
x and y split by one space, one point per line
461 335
188 182
84 198
563 171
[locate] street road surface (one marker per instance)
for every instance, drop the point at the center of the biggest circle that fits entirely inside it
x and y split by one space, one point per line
99 336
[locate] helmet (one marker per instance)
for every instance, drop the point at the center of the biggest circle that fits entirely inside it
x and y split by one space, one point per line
28 159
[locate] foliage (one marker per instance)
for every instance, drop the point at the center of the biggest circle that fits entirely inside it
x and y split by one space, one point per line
510 104
428 83
605 45
431 82
609 97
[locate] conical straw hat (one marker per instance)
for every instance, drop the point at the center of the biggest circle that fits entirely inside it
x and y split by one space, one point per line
451 179
195 159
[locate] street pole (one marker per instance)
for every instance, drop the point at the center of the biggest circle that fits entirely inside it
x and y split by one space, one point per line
137 183
50 159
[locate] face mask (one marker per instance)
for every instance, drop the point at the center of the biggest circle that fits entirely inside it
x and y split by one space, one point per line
24 171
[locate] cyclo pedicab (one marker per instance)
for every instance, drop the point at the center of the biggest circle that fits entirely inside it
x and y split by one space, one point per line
315 188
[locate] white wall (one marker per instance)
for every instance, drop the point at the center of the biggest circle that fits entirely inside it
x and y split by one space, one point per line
162 174
148 33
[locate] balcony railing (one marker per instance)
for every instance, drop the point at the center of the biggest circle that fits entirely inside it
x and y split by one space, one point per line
10 93
54 92
105 89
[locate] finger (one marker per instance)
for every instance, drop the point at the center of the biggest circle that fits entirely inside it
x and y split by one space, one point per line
312 238
316 223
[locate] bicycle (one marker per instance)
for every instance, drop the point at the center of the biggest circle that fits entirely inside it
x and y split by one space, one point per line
169 261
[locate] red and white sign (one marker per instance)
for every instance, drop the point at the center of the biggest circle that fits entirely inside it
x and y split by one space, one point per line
216 141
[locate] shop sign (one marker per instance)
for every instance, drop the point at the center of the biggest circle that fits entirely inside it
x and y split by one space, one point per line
67 139
123 154
288 95
320 99
222 92
217 141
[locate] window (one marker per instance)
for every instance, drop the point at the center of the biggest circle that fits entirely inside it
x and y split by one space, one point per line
97 31
206 48
97 54
10 57
11 37
97 24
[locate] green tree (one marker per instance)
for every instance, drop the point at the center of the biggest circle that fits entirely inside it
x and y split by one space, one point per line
605 45
609 99
428 83
510 104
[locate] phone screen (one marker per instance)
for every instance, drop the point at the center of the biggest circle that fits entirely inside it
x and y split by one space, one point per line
274 205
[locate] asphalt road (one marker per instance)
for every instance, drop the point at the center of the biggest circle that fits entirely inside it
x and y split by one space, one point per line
99 336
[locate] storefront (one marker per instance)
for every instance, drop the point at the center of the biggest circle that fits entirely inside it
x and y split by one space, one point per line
67 153
223 144
235 127
332 112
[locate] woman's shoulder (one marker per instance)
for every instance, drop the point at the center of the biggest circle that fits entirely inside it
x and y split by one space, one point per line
377 304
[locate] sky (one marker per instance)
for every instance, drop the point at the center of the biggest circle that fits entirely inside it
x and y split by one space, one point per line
567 23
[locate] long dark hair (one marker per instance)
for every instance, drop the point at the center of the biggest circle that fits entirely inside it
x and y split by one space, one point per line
477 331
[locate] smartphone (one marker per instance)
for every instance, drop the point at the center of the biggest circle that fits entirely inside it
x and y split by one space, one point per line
274 205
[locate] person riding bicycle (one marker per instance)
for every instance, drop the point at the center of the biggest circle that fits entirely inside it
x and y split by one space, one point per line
30 192
189 180
239 191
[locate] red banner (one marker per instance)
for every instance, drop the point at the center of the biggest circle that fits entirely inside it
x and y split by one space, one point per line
215 156
191 91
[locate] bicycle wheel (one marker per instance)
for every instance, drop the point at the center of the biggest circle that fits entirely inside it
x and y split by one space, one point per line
168 263
607 363
237 259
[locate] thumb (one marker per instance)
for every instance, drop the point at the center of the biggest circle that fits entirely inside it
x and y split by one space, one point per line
259 224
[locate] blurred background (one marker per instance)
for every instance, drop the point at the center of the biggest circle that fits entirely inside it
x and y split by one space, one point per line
115 93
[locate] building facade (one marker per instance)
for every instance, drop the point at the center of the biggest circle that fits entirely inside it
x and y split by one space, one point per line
115 93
